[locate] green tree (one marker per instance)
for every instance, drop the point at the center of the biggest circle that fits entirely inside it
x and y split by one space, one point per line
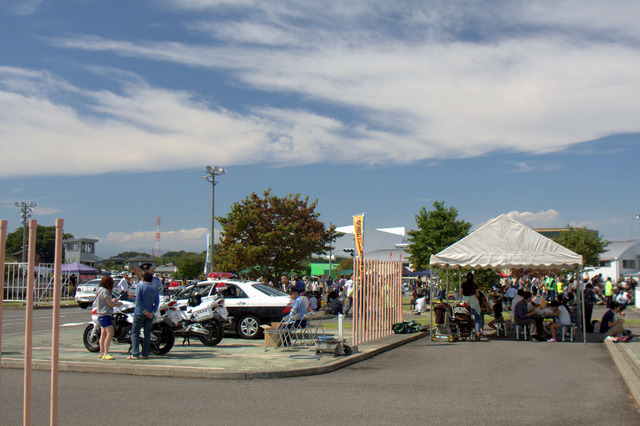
131 254
45 242
271 235
437 230
484 278
190 266
581 241
109 265
344 264
171 257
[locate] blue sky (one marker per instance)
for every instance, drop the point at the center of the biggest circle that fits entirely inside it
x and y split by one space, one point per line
110 111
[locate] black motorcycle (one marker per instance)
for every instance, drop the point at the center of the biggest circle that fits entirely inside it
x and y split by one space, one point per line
162 337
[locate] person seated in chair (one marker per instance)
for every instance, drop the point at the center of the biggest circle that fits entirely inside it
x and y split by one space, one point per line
295 319
563 318
497 313
522 316
298 310
334 303
420 305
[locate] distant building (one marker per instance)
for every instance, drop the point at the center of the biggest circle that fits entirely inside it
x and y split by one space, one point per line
556 232
135 262
117 260
81 250
17 256
392 254
620 261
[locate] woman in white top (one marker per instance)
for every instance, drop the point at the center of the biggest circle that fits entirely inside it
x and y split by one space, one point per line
563 318
104 305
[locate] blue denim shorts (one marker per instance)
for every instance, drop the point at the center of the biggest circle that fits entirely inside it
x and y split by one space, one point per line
105 321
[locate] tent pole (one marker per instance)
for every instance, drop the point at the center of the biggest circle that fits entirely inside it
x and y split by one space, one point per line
446 294
584 317
430 285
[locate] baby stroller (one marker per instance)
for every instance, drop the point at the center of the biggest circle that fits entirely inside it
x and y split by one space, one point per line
445 328
464 322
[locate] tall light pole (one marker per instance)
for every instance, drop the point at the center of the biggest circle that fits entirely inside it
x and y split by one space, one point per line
212 172
26 209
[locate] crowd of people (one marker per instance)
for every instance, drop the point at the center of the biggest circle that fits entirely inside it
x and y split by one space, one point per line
559 295
335 297
534 298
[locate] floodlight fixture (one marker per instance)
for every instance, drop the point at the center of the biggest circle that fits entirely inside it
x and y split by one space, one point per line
25 213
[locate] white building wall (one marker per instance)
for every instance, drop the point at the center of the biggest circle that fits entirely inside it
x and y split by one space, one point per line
615 270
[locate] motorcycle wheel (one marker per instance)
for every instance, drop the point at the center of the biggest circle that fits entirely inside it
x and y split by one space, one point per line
92 344
216 332
164 339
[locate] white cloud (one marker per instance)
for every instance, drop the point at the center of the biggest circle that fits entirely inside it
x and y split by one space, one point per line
597 224
185 239
533 166
26 7
408 83
46 211
543 219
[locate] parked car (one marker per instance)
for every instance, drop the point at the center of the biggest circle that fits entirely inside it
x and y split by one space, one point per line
86 293
249 303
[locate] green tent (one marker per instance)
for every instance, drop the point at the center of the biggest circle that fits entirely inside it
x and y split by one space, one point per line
318 269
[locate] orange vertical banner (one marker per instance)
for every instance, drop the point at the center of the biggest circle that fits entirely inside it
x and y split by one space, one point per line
359 292
358 231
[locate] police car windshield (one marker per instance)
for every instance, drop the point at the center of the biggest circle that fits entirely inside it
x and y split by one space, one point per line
269 291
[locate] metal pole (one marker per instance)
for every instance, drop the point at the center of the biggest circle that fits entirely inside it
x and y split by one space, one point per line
212 172
584 314
55 333
28 333
213 198
330 251
23 256
25 214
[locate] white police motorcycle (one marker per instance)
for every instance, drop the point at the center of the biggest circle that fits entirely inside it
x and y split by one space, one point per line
194 318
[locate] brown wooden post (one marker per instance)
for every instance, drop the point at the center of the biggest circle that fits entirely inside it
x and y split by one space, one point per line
55 333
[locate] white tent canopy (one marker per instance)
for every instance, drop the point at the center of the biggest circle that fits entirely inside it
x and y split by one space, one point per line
503 243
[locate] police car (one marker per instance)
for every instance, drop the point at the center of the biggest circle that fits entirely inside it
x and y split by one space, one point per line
249 303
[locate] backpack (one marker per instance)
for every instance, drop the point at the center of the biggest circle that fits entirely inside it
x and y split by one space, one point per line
596 326
405 327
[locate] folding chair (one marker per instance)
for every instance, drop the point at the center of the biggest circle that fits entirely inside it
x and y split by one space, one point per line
567 329
314 326
524 329
300 333
287 335
278 336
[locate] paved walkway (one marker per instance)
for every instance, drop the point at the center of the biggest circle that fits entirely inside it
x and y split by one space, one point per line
247 359
626 355
233 358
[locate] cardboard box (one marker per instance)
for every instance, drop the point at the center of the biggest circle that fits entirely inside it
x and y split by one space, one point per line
271 339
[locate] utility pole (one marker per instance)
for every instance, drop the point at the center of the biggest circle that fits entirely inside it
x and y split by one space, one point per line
212 172
26 210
